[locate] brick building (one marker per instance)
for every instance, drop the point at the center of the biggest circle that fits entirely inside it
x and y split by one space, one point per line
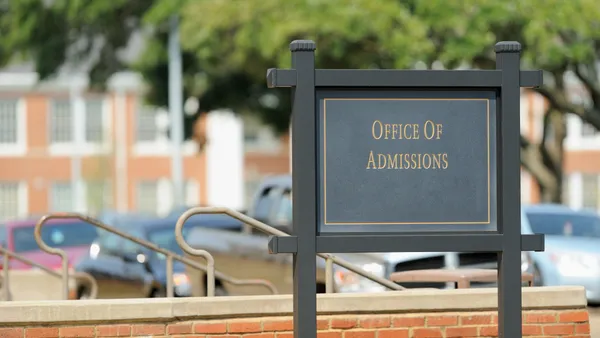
124 156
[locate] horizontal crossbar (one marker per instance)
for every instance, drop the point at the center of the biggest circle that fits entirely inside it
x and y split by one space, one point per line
402 78
408 243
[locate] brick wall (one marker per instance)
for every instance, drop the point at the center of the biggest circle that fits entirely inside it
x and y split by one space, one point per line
555 323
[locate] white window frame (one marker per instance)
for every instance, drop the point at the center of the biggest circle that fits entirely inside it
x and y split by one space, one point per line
20 147
161 146
86 148
108 193
575 139
22 198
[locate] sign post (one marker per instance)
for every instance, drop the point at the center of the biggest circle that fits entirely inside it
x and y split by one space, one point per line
406 161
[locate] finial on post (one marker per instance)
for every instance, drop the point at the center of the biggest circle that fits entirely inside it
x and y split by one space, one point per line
508 47
302 46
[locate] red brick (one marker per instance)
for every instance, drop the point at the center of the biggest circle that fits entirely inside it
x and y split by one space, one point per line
329 334
189 336
427 333
408 321
260 335
452 332
41 332
77 331
582 328
247 326
375 322
343 323
576 336
442 320
278 325
559 329
488 331
148 329
184 328
285 335
476 320
16 332
532 330
540 318
113 330
210 328
574 317
359 334
322 324
223 336
393 333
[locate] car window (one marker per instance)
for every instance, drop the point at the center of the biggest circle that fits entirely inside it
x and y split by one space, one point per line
284 209
264 205
165 238
132 247
565 224
56 235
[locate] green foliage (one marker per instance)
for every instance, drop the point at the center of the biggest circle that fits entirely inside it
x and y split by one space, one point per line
229 44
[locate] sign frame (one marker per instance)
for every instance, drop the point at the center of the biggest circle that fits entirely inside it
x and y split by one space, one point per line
306 240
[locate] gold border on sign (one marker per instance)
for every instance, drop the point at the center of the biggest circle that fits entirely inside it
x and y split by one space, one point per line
401 99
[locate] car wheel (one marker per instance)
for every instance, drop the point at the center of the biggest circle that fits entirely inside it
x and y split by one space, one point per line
537 277
83 293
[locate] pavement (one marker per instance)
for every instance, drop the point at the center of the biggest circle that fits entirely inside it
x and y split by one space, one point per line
595 320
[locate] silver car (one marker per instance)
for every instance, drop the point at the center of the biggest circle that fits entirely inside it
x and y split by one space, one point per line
572 255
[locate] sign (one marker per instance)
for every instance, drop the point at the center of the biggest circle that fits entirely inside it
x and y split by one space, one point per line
407 160
394 160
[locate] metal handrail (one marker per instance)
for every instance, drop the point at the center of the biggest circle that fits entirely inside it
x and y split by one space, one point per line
170 255
7 254
329 258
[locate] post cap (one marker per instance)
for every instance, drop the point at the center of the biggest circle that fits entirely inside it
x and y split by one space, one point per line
302 45
508 47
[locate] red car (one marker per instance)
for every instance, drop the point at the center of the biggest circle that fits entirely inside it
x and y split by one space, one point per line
71 235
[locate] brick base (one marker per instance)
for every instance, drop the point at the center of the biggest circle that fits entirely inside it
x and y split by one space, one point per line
567 323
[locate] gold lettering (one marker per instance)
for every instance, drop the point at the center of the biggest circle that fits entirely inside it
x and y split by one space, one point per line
406 136
413 158
439 130
381 163
436 161
387 130
394 131
428 125
419 161
371 161
415 131
445 160
426 164
392 161
380 129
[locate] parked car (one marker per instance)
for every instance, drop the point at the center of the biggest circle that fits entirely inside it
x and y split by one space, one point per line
72 236
125 269
572 255
272 205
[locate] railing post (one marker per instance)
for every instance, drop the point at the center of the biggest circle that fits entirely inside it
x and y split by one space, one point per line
170 291
329 275
5 287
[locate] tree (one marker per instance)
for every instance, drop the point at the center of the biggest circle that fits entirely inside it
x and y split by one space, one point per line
388 34
228 45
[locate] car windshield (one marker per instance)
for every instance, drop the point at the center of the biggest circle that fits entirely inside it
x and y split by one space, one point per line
56 235
565 224
164 237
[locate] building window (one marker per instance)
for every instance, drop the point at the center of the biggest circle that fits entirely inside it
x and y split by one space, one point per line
147 197
9 200
61 197
92 123
590 191
94 120
12 127
147 130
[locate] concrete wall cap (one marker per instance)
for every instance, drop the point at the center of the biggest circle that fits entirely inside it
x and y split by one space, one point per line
166 310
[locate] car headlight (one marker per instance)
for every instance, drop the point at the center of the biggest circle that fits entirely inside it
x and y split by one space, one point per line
182 284
94 250
348 281
576 264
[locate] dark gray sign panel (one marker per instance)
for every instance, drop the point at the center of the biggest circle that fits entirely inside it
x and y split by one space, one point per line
406 161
